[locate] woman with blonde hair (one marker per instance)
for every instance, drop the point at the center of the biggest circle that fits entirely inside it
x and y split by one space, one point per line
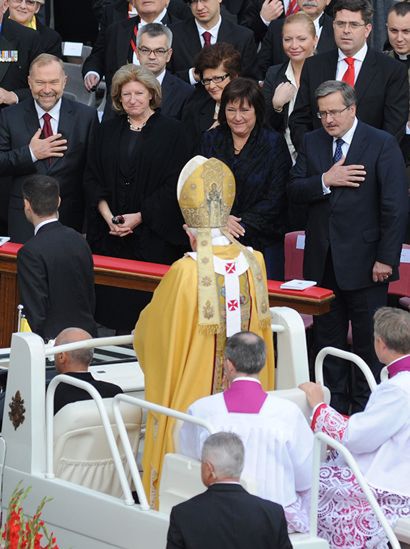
131 182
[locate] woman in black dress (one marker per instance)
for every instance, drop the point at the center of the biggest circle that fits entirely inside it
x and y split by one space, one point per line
131 181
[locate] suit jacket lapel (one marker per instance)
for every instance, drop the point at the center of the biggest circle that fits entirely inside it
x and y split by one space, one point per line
366 75
5 45
65 127
124 35
354 156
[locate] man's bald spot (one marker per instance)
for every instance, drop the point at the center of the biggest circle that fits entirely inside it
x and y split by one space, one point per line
70 335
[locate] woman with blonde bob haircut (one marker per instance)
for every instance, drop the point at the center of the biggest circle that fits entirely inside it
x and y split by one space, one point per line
131 181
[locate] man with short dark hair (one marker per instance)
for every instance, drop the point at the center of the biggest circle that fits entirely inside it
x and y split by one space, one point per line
55 267
226 515
352 179
75 364
47 134
207 27
154 50
278 439
380 82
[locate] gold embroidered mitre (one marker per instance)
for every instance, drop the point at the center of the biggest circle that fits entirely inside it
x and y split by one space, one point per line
207 194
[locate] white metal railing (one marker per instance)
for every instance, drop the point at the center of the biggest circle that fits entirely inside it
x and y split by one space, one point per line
95 395
89 344
135 475
351 357
323 439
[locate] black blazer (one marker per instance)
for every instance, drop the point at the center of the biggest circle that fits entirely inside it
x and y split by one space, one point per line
66 394
186 45
56 281
275 76
271 51
118 11
227 516
359 225
18 124
175 94
13 76
50 40
382 92
198 114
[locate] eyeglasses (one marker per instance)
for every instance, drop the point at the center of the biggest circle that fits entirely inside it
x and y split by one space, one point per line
214 79
29 3
354 25
159 52
334 113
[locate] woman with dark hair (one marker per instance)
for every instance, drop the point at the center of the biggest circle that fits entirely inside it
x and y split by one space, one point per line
215 67
131 182
281 83
260 162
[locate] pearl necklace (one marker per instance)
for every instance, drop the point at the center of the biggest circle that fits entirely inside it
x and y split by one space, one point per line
134 128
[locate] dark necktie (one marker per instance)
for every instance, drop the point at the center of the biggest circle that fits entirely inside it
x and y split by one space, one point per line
338 151
348 76
207 38
47 130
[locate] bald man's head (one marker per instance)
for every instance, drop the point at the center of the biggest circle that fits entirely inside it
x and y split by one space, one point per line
72 361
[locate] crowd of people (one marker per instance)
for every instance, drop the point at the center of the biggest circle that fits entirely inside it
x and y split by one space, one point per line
300 124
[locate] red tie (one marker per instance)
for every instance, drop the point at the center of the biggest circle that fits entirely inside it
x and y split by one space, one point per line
133 40
47 130
348 76
292 8
207 38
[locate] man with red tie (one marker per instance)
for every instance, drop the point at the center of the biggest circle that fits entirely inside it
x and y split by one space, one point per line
380 82
207 27
47 134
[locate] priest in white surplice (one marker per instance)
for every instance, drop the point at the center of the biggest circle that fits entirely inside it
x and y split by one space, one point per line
276 435
378 438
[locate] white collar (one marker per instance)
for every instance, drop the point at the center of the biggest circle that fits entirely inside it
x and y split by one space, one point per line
54 112
156 20
348 136
358 56
214 30
246 378
45 222
161 77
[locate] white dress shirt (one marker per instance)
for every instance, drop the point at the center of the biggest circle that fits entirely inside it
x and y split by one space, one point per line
54 121
358 62
214 36
46 222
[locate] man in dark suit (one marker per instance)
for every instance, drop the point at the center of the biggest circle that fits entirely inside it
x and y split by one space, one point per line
205 28
226 515
29 144
352 178
55 267
380 82
75 364
256 14
154 51
116 45
271 52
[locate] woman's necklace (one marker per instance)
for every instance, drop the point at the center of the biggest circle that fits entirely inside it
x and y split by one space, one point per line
135 128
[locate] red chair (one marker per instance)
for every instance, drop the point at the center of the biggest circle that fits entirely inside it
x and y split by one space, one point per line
294 251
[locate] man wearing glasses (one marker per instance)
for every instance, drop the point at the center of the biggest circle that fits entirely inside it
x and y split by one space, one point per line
154 51
380 82
117 45
352 178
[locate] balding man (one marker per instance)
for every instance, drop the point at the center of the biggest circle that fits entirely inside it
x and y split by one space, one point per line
226 515
75 364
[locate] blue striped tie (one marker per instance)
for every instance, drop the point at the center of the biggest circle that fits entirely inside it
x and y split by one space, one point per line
338 152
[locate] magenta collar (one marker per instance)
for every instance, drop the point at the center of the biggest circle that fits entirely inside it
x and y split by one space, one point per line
400 365
244 397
